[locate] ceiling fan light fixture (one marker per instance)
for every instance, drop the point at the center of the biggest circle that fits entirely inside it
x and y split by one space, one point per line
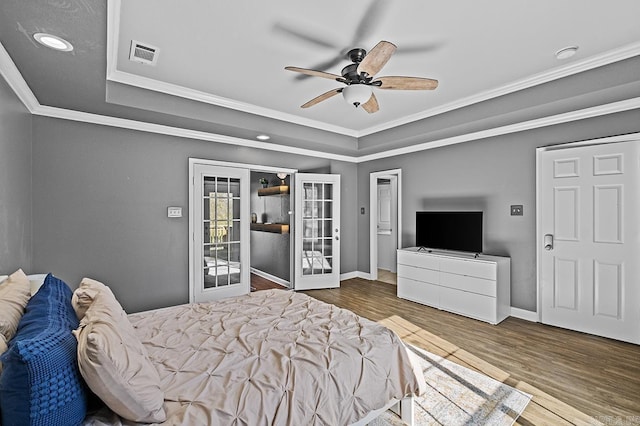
356 94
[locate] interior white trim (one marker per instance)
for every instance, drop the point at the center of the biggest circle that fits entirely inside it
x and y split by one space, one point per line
15 80
124 123
349 275
581 114
113 74
587 64
208 98
113 17
524 314
270 277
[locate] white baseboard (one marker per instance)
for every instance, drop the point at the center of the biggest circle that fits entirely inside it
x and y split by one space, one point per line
270 277
524 314
355 274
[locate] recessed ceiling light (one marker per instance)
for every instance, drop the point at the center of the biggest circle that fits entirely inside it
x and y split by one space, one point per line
263 137
53 42
566 52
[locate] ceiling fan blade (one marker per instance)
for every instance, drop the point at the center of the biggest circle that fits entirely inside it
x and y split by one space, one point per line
321 98
407 83
299 33
315 73
376 58
417 48
371 105
370 21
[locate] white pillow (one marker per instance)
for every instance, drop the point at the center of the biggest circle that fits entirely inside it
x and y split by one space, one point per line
114 363
36 281
2 278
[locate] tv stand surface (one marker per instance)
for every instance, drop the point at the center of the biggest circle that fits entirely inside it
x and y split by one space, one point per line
470 284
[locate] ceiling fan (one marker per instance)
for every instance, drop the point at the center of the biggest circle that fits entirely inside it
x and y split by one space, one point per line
359 78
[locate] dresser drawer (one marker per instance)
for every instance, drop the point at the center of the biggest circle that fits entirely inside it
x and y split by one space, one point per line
466 267
418 291
469 304
418 274
467 283
420 260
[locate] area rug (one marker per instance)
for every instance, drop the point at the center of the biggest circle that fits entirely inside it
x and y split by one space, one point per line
457 395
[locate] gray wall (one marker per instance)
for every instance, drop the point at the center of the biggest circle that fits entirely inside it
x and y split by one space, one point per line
15 183
100 206
488 175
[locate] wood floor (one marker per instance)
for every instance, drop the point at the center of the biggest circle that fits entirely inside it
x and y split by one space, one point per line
260 283
575 378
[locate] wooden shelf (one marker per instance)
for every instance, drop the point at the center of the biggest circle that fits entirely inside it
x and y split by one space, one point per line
273 190
276 228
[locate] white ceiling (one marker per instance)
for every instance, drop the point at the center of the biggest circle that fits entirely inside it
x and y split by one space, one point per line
233 53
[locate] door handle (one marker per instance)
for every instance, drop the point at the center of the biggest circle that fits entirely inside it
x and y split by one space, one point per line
548 242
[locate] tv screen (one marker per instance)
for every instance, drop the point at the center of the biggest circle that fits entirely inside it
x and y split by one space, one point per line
459 231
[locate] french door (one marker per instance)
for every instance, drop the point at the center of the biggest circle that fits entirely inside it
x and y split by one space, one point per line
317 231
219 226
588 243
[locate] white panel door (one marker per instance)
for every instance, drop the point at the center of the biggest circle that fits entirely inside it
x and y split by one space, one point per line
590 239
220 232
317 231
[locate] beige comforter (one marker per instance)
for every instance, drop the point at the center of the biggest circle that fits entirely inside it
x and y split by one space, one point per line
272 357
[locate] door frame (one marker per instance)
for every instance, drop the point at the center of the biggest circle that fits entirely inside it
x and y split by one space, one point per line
191 235
539 238
373 216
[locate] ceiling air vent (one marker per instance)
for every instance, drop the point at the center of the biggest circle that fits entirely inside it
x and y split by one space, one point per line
143 53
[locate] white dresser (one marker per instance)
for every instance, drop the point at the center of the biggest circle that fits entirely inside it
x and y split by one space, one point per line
476 287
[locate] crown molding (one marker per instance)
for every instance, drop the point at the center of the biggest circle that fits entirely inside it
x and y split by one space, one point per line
123 123
581 114
15 80
199 96
587 64
113 74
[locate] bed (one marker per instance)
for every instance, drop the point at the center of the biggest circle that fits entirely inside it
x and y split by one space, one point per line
270 357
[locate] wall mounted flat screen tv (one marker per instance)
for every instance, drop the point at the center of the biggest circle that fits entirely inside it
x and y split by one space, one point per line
459 230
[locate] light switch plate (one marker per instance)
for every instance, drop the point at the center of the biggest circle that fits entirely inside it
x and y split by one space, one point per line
517 210
174 211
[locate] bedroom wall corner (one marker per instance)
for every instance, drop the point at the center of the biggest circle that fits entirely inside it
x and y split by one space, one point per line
488 175
100 206
15 183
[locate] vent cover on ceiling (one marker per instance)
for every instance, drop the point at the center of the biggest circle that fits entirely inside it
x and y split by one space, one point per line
143 53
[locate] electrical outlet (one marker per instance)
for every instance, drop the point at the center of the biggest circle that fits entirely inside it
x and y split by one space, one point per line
517 210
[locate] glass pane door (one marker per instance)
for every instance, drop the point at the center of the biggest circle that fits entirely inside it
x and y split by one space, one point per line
220 222
317 257
221 226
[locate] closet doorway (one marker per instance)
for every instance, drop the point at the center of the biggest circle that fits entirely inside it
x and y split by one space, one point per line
385 223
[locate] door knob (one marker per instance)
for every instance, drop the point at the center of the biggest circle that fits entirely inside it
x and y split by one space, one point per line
548 242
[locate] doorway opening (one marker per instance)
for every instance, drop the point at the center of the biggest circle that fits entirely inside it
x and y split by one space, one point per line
385 223
271 242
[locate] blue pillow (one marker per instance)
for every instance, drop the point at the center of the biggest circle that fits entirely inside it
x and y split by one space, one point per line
40 382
